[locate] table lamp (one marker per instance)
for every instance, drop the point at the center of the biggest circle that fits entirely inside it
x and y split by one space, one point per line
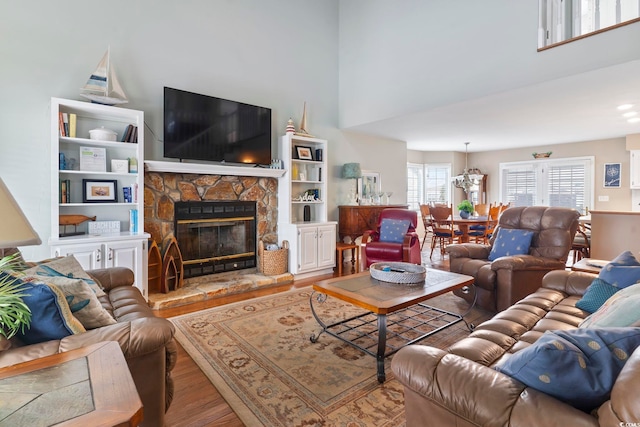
15 229
352 170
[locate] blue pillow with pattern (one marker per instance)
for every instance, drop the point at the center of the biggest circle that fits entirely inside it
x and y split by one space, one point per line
393 230
596 294
510 242
577 366
622 271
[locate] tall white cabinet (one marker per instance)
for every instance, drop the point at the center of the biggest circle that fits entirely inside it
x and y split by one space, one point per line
302 206
72 184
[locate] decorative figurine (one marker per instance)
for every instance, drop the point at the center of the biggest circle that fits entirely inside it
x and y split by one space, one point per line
290 127
303 123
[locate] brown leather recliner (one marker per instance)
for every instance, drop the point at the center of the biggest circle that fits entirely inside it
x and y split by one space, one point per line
506 280
146 342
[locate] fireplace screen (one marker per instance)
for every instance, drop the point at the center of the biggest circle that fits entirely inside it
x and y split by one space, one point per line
214 237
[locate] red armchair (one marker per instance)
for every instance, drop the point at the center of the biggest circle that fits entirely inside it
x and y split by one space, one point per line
407 251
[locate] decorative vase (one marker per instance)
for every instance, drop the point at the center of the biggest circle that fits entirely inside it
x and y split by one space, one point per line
464 214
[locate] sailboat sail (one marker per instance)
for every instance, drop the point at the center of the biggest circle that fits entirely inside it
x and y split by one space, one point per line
103 86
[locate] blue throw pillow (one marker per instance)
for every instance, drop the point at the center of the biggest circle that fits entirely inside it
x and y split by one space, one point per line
510 242
577 366
622 271
51 317
597 293
393 230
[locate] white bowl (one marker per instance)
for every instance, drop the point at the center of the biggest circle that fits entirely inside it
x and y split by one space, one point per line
103 134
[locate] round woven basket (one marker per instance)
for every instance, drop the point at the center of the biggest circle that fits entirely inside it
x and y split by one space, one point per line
398 272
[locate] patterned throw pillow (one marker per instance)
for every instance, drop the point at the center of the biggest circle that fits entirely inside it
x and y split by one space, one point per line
82 300
65 267
622 271
510 242
618 311
393 230
577 366
597 293
51 317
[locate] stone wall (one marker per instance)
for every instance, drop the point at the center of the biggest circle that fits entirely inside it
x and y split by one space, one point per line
162 189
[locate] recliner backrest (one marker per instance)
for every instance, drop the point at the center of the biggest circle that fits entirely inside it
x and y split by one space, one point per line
395 213
553 227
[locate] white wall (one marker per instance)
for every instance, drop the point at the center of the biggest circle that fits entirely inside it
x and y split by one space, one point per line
277 54
413 55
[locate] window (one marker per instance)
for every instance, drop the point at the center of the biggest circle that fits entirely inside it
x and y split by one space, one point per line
428 183
561 20
561 182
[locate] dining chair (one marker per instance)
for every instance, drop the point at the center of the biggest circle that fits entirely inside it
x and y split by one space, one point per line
426 221
478 232
581 245
442 227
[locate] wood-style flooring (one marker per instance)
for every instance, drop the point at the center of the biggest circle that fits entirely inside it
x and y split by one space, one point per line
196 401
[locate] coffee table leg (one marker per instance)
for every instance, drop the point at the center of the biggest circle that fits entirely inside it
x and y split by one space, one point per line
382 345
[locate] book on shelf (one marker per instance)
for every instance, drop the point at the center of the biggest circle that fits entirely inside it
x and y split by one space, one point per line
134 137
73 119
65 123
133 220
127 133
65 191
61 124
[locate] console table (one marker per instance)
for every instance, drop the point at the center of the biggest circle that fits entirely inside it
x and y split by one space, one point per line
355 220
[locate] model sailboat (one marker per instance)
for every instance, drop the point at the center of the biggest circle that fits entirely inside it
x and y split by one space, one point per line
103 86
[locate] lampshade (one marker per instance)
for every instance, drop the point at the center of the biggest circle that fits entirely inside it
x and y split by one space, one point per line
351 170
15 230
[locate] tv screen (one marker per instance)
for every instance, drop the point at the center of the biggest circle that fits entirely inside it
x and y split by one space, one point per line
201 127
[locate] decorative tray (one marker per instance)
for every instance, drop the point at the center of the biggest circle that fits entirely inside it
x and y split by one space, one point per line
398 272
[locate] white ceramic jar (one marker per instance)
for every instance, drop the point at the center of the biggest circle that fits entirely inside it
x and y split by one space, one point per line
102 134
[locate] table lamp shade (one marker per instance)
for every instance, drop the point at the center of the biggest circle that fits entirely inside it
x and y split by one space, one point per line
351 170
15 229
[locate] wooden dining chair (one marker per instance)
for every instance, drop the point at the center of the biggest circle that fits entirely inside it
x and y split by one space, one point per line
478 232
426 221
444 231
581 246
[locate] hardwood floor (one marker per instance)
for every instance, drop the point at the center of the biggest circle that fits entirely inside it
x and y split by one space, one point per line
196 401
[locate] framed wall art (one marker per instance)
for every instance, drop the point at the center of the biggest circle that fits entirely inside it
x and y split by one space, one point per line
304 153
612 175
99 191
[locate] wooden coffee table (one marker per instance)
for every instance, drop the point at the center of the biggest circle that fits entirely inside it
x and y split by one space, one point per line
402 305
90 386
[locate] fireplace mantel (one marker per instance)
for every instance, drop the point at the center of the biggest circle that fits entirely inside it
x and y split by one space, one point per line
210 169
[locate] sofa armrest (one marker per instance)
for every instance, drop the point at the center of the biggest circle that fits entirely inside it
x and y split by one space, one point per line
136 338
569 282
526 262
450 390
113 277
468 250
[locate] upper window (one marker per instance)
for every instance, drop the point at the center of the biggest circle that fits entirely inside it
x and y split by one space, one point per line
428 183
560 182
565 20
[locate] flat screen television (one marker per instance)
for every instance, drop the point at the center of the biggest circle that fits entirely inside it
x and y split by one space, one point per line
201 127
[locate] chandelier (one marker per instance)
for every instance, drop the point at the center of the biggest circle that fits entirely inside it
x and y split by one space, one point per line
468 178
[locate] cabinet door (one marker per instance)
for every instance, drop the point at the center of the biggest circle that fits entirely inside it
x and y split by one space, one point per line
307 248
88 255
326 246
127 254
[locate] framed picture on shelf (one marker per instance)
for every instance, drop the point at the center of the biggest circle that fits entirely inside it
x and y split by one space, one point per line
99 191
612 173
304 153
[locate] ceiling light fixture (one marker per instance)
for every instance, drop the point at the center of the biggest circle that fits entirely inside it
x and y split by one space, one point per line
634 120
630 114
624 106
470 177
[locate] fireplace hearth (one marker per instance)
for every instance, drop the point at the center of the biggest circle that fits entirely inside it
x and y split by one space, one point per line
216 236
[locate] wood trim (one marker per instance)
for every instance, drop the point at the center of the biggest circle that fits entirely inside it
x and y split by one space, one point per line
584 36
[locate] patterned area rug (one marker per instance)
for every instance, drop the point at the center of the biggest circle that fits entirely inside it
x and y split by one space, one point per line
259 355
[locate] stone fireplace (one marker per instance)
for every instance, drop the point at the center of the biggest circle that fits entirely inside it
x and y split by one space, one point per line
166 191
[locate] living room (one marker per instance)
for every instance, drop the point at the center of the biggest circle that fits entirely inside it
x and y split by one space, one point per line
352 62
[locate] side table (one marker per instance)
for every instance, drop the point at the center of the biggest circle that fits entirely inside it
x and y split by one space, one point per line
89 386
355 257
589 265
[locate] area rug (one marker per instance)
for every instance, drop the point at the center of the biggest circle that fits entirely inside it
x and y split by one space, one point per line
259 356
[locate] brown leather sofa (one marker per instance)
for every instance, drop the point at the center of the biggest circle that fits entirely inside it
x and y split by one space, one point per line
459 387
146 342
506 280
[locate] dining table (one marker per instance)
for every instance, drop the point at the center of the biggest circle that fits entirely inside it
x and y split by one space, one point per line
465 223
